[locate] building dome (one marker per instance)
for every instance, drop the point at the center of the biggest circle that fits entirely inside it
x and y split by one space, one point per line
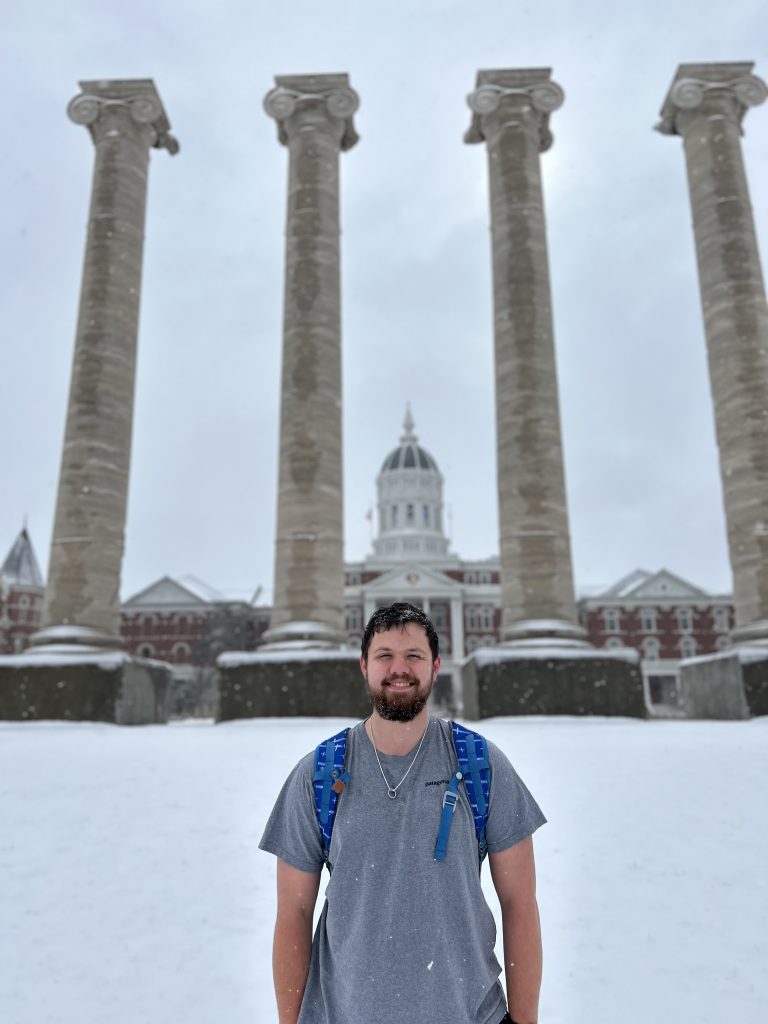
410 502
409 454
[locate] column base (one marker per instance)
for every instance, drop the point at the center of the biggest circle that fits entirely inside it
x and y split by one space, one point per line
550 632
63 683
755 633
307 635
727 686
72 636
325 683
529 681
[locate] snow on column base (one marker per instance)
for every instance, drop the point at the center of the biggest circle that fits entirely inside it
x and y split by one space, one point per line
290 635
558 632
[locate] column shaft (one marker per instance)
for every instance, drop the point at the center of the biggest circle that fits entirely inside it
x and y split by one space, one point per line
308 593
537 584
706 105
82 595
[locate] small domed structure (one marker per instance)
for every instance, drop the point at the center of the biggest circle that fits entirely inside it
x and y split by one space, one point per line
410 502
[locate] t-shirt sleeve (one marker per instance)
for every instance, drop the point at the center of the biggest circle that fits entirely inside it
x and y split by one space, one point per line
292 832
513 814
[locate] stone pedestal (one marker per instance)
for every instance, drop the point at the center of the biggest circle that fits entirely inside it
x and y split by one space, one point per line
290 683
510 113
95 686
82 604
314 118
725 686
706 105
509 681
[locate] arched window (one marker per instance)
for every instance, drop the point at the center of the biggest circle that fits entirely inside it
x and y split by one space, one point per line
613 642
180 653
651 648
147 651
688 647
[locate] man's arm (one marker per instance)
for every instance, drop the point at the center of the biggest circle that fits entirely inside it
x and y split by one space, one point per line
514 878
296 897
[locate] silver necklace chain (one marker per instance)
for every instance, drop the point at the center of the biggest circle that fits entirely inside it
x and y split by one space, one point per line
392 790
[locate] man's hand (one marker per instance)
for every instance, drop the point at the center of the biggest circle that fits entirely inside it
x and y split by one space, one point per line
296 898
514 877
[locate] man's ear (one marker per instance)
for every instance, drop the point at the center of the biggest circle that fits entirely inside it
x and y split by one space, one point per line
363 666
436 664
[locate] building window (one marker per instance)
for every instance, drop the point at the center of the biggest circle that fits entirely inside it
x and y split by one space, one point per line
473 642
147 651
487 618
352 619
722 619
651 648
410 514
425 515
393 515
687 647
483 577
470 578
437 613
147 623
611 620
613 642
685 621
23 601
723 643
472 618
648 620
181 653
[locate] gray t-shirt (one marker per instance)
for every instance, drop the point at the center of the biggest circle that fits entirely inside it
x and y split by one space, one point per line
402 939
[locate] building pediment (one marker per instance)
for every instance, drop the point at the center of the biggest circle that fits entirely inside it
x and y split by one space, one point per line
659 586
414 578
165 591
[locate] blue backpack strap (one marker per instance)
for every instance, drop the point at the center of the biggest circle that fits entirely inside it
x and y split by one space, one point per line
475 770
329 780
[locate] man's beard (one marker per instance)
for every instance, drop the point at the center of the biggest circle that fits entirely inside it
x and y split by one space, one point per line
400 705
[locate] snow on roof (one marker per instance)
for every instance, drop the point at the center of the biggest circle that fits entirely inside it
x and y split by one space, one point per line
21 565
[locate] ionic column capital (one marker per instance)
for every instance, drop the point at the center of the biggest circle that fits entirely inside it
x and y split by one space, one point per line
706 90
112 106
525 97
322 102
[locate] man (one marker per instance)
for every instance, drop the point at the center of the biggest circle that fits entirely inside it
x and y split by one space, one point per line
403 938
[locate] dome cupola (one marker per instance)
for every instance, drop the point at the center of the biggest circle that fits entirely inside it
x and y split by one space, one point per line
410 501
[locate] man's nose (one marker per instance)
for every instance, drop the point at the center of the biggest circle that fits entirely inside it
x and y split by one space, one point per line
400 665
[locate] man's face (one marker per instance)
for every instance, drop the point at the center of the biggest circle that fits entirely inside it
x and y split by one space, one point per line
400 672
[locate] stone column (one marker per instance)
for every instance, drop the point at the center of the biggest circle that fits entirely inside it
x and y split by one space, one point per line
705 105
82 606
314 120
510 113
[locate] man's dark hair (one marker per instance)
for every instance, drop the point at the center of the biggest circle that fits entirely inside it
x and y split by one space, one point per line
399 614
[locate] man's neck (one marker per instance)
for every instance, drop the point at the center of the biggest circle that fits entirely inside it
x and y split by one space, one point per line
396 737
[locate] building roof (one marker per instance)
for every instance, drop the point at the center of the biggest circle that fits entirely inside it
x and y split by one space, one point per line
21 566
409 454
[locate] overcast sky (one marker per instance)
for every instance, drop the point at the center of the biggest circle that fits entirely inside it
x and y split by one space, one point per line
638 432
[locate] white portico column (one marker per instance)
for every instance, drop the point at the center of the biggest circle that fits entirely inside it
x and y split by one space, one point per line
706 105
511 111
125 119
314 119
457 629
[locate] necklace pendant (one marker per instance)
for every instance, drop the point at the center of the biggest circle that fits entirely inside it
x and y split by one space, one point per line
391 793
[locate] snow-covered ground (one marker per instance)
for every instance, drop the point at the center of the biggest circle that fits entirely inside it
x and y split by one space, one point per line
132 890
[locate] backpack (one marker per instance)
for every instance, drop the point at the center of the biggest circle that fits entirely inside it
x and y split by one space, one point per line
474 770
